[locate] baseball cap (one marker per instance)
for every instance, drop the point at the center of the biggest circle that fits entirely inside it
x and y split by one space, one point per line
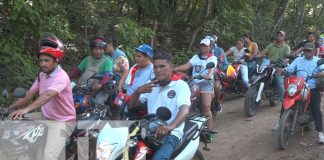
145 49
282 32
309 46
210 38
205 41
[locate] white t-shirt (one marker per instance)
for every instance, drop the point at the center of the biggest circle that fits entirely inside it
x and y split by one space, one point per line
172 96
200 65
237 54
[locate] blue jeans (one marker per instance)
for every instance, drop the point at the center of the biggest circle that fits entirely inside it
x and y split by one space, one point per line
167 148
251 67
245 75
280 86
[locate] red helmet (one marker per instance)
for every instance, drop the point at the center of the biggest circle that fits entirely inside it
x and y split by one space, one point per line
53 52
50 45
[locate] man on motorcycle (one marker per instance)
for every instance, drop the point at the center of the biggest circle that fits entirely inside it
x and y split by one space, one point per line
311 37
95 63
309 63
275 51
121 63
169 91
54 98
198 62
139 74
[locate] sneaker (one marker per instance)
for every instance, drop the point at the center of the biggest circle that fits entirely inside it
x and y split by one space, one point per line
275 127
210 137
321 137
218 107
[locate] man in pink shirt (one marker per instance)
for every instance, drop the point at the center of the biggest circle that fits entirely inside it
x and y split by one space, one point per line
54 98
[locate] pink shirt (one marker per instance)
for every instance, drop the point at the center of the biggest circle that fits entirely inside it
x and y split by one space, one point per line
61 106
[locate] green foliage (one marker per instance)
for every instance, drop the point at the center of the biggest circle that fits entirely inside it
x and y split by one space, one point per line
131 35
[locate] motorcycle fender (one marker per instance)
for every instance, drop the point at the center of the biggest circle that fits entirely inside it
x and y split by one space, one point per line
192 147
290 101
116 136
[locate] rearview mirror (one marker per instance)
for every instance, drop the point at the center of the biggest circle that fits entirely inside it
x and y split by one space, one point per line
5 93
19 92
163 113
210 65
320 62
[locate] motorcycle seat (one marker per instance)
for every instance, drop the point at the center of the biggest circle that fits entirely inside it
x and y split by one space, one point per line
189 131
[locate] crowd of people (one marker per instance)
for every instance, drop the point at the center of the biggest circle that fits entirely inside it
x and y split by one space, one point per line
138 82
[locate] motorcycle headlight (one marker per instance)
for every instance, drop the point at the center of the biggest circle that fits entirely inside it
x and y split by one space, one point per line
104 150
292 89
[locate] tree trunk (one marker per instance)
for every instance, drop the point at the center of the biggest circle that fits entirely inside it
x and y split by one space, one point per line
155 24
199 25
279 15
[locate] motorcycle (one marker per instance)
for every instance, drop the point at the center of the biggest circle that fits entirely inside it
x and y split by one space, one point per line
195 91
296 114
83 96
25 139
262 86
142 142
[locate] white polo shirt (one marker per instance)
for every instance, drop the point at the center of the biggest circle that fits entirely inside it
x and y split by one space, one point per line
172 96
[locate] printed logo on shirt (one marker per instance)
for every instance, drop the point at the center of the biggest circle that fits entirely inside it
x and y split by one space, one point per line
171 94
198 68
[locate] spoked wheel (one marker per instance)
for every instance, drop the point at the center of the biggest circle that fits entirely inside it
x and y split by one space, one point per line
198 156
250 105
285 130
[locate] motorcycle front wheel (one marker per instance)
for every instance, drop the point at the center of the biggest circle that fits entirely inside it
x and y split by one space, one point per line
285 129
250 105
198 156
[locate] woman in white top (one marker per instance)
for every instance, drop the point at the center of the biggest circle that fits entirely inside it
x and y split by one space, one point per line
238 52
198 63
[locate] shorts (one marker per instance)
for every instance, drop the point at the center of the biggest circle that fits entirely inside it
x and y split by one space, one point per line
206 86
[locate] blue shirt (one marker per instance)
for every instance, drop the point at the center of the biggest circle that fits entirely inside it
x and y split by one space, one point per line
117 54
302 63
219 51
142 76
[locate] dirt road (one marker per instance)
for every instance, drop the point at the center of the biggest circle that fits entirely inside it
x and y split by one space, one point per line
242 138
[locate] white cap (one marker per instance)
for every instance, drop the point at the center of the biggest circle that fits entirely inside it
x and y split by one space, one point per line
205 41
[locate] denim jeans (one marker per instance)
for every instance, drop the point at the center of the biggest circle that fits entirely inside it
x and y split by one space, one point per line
251 67
280 86
315 108
167 148
245 75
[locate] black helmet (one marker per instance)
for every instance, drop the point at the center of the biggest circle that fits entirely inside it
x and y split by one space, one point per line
98 42
50 40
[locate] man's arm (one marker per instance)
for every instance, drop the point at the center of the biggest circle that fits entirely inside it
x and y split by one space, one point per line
180 118
122 79
39 102
134 100
22 101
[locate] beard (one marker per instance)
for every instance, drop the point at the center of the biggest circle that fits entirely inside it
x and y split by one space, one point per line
47 70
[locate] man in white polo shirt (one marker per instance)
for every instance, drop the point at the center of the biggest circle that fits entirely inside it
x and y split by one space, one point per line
171 92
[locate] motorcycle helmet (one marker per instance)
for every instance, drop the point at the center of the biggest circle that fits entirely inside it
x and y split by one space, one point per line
52 46
98 42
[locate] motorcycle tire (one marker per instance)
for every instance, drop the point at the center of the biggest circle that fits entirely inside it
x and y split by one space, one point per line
250 106
198 156
284 130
